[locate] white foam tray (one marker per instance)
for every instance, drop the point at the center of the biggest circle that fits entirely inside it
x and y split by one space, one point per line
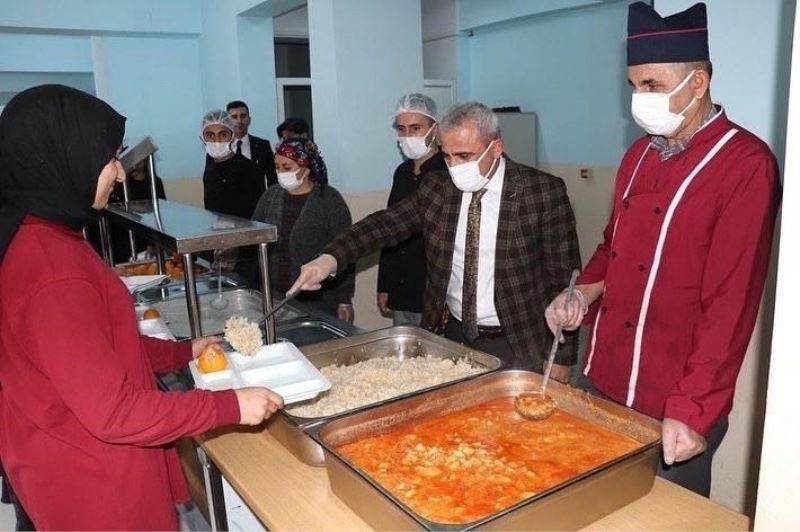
281 367
155 328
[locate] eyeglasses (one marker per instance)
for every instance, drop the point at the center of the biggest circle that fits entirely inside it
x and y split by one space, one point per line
119 152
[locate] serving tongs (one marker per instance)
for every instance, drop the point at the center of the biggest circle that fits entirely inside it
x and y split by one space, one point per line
289 296
539 405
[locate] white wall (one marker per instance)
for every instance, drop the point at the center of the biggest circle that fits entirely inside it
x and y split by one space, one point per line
154 82
778 489
292 24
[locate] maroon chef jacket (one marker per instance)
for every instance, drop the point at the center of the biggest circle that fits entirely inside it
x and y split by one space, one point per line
684 259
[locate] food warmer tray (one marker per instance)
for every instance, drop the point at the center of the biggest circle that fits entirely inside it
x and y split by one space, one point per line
570 505
399 342
241 302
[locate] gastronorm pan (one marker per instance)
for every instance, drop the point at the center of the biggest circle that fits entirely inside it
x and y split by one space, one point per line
241 302
398 342
569 505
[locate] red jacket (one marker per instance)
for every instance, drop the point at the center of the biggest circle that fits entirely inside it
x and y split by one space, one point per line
85 435
684 260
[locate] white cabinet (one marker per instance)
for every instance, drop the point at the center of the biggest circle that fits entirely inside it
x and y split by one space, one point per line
240 518
519 135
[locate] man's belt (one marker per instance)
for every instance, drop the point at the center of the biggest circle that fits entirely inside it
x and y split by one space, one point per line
484 331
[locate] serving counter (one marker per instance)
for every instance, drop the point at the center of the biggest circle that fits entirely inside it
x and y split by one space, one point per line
286 494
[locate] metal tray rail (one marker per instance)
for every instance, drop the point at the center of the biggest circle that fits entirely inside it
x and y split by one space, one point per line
567 506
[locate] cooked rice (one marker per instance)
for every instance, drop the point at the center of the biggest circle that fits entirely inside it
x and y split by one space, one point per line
243 335
378 379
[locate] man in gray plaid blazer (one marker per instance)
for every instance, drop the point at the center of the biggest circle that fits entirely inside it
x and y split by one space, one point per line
499 238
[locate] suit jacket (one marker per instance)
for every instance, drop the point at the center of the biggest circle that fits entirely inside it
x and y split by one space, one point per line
537 249
262 156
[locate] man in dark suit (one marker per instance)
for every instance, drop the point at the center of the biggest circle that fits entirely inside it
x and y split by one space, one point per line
254 148
499 238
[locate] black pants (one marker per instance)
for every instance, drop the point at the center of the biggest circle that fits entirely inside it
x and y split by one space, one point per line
694 474
494 345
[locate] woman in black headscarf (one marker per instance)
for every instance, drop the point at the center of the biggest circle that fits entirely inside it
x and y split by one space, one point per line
85 435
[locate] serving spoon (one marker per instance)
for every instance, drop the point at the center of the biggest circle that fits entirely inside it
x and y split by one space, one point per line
539 405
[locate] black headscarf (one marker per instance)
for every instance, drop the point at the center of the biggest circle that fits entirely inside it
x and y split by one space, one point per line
54 141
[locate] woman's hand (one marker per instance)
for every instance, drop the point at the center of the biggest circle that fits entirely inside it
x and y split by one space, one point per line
257 404
345 312
198 344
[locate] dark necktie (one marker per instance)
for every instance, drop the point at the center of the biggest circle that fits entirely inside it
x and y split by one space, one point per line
469 297
239 147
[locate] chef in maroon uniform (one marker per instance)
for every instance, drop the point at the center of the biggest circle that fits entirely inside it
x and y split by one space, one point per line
672 292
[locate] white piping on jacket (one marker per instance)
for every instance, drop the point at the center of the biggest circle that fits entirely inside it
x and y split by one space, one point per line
648 291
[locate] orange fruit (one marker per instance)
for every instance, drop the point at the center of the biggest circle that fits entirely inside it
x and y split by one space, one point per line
150 314
212 359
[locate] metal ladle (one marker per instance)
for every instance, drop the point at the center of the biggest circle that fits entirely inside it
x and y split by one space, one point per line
539 405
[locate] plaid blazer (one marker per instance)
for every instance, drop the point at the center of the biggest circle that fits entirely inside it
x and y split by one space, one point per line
537 249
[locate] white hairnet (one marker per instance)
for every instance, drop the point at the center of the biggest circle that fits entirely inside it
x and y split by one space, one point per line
416 103
217 116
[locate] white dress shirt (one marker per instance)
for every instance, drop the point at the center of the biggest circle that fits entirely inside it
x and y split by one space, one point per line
245 146
490 214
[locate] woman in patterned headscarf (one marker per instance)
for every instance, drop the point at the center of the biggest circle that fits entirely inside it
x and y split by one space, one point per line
309 214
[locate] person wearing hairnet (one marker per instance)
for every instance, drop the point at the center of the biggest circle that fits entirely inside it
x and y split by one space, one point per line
231 184
401 276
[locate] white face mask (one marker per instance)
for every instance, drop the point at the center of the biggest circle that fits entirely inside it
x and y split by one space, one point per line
218 150
415 147
651 110
467 176
288 180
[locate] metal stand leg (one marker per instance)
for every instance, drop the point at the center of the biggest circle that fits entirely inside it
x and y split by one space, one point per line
263 263
192 304
105 240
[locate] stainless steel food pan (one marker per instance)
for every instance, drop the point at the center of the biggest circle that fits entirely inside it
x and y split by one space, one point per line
397 342
305 332
241 302
175 288
568 506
